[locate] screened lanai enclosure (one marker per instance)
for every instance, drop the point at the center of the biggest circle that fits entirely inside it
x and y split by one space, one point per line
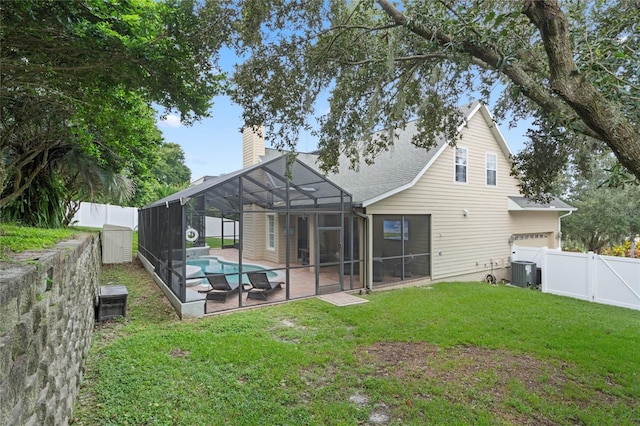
291 224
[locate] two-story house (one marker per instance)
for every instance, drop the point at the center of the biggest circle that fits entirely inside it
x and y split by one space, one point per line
449 213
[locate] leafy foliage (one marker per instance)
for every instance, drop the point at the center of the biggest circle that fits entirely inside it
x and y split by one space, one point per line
624 250
606 216
573 67
169 173
170 168
77 85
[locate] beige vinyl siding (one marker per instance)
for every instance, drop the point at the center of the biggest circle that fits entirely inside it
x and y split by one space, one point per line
465 245
282 239
254 233
254 236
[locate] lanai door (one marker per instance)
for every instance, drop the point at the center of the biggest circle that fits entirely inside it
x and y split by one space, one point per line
329 254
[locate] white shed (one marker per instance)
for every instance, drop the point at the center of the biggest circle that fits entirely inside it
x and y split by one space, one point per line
116 244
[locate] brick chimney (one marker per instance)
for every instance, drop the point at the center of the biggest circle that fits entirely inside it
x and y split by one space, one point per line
252 145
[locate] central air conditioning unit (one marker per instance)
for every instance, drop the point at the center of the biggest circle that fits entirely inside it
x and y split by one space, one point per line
523 273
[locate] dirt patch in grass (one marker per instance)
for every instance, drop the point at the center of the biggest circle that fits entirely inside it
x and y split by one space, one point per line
495 379
179 353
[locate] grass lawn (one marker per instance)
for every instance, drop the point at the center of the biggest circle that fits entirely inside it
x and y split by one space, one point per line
454 353
15 238
216 242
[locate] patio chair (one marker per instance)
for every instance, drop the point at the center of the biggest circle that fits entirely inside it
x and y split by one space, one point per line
261 285
220 289
397 268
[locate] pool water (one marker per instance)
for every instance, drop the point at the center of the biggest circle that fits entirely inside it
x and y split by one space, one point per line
216 266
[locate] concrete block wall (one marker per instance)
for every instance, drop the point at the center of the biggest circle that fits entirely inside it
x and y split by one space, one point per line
46 321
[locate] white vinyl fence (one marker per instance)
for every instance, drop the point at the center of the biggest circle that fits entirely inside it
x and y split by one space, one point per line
213 226
95 215
588 276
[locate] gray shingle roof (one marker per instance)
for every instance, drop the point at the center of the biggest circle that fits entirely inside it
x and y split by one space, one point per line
393 170
523 203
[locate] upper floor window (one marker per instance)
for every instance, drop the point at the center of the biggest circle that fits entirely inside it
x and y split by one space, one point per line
271 232
461 164
492 169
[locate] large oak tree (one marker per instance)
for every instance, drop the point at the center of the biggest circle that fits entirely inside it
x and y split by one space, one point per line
572 67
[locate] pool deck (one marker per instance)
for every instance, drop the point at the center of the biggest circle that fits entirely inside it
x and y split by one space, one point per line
302 279
302 283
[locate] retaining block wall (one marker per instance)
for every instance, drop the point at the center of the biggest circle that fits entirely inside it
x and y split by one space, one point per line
46 320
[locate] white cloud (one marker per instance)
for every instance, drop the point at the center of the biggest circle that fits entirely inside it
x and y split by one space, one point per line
172 120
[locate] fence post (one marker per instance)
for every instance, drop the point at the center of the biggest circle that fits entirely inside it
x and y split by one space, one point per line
545 262
591 275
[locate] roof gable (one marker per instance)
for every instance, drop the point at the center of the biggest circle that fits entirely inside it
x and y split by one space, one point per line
402 166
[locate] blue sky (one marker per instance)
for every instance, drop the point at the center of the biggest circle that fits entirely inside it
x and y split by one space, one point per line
214 145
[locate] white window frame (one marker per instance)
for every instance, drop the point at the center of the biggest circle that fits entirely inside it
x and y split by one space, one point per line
271 232
457 164
488 169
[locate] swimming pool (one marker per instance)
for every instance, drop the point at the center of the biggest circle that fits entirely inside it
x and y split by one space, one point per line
215 265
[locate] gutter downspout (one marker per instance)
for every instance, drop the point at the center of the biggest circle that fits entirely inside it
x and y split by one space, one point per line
560 228
365 233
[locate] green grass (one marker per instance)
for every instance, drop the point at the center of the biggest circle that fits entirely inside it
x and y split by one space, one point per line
453 353
134 243
215 242
16 239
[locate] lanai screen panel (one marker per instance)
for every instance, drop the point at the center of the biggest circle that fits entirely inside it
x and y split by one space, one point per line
401 247
282 185
161 241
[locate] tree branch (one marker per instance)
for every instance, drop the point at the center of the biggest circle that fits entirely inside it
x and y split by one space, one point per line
359 27
397 59
492 60
594 109
19 189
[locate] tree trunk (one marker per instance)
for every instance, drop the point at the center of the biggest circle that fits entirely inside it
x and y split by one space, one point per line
571 95
596 111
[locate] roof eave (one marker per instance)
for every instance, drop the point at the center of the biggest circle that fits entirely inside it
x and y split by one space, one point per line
542 209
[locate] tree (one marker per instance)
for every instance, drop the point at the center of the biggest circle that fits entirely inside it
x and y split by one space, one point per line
573 67
66 154
606 216
78 78
170 173
170 168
